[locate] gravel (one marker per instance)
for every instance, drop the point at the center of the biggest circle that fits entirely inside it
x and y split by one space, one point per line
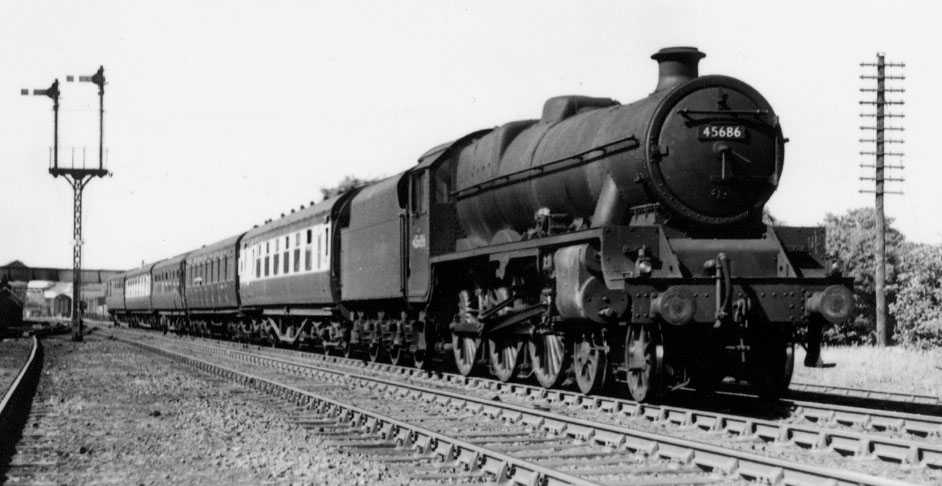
107 412
751 444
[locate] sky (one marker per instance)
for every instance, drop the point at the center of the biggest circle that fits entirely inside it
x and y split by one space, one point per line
221 114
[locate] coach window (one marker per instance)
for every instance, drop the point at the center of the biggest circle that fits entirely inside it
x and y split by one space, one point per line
286 268
307 258
308 237
266 265
225 267
275 263
297 260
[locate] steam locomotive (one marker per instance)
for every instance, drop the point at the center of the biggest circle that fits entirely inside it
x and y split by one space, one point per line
601 244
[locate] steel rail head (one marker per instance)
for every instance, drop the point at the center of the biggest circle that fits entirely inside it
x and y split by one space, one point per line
16 387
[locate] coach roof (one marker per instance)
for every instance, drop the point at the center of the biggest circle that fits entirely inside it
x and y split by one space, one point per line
314 214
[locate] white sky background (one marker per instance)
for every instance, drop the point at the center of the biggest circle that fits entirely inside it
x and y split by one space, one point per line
222 114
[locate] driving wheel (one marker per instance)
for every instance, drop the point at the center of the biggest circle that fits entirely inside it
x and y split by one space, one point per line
465 349
549 358
590 362
504 356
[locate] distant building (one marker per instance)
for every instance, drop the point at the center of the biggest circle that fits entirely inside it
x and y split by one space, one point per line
48 291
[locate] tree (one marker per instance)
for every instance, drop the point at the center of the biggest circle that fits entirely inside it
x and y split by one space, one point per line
851 240
918 305
347 183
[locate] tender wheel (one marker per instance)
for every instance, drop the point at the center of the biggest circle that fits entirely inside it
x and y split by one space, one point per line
590 363
550 359
504 357
399 355
375 352
350 350
466 350
419 359
643 357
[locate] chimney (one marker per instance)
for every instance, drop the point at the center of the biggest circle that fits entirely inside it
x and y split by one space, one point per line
676 65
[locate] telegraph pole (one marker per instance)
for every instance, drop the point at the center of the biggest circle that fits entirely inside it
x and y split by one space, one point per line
880 168
78 179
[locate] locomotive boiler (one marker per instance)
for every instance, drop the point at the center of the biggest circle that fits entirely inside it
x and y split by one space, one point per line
603 243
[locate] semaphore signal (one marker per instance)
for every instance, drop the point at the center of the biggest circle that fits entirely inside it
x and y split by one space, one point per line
78 178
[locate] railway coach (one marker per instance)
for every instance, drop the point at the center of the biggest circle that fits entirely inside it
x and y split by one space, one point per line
289 276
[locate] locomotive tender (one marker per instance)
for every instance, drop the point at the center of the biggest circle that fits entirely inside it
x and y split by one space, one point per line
601 243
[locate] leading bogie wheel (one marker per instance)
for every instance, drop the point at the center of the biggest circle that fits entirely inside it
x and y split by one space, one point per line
643 358
466 350
504 356
375 352
590 362
550 359
772 367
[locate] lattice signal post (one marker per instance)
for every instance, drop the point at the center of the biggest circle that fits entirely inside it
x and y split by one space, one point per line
78 178
875 141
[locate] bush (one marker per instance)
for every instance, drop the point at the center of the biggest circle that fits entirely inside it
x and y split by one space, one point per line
918 304
851 240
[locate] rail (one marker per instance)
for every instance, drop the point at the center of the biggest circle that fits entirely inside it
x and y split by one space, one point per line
707 456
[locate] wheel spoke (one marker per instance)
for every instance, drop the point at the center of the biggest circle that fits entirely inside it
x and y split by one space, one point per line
504 356
550 359
642 363
590 363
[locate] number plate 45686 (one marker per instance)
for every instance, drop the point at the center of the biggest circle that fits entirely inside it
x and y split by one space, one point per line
723 132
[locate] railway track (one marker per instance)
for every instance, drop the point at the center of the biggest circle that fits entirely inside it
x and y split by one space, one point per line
883 395
577 448
799 413
912 402
19 374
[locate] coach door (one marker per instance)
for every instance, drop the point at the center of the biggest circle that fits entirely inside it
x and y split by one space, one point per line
418 238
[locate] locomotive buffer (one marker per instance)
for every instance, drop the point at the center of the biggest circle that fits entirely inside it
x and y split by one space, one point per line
78 178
